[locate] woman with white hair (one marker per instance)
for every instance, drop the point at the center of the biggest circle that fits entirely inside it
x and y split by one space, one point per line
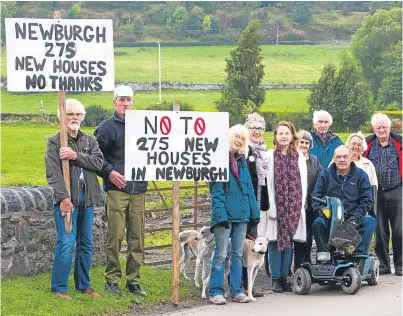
233 206
357 144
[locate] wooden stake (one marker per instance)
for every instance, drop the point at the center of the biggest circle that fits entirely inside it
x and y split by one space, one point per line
65 163
175 236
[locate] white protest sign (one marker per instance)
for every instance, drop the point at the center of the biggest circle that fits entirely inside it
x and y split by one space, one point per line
59 55
174 146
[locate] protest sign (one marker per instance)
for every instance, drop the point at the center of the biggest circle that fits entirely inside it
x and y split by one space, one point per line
59 55
175 146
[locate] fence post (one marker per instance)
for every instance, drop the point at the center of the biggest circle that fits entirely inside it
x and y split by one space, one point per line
195 202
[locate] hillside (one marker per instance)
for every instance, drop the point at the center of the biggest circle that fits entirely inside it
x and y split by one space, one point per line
208 21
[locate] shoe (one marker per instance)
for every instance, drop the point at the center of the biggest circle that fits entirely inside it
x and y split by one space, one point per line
113 288
384 271
277 288
63 295
135 289
285 286
254 293
90 292
240 298
217 300
398 272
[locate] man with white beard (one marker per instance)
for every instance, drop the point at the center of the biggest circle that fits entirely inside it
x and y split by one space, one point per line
85 158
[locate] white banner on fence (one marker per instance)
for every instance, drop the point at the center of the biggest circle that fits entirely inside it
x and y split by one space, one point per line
174 146
59 55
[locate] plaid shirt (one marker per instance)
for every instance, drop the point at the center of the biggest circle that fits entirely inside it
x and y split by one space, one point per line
385 160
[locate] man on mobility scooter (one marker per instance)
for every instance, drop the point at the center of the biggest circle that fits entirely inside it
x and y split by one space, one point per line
343 231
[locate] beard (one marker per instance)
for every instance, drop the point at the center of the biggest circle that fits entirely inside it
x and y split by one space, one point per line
74 126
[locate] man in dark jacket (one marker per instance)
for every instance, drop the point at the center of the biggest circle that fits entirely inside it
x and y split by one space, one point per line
85 159
351 185
324 142
124 200
385 152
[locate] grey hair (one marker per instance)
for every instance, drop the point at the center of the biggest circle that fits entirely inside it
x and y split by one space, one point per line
254 117
350 153
361 136
379 117
73 103
303 134
316 115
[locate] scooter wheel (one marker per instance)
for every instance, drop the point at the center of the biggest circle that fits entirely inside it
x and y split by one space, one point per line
373 280
351 281
302 281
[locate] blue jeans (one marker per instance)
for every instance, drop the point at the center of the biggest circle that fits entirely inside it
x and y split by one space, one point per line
81 235
366 227
279 261
221 237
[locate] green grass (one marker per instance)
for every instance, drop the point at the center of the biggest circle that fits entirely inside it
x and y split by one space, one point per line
206 64
32 296
276 100
23 149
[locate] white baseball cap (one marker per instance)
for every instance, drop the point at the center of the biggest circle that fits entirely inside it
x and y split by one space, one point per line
123 91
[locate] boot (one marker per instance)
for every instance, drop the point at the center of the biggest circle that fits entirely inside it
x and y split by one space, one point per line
284 285
277 288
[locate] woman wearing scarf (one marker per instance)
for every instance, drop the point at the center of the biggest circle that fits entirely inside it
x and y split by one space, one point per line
233 206
284 222
257 164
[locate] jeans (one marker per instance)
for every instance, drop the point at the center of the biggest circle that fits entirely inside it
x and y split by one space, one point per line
279 261
237 232
81 236
366 228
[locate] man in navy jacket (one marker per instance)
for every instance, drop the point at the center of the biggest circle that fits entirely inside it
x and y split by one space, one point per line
351 185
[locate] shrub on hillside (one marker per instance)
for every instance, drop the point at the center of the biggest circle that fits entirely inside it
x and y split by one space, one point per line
95 114
168 105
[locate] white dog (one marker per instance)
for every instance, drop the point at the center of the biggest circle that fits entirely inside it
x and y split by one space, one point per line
253 259
200 244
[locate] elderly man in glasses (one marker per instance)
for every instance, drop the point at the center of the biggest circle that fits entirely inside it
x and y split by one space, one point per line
85 159
351 185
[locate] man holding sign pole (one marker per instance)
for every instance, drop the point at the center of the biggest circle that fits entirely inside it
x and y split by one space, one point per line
85 159
124 200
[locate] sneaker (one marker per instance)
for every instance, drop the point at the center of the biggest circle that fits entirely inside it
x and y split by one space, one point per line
90 292
284 284
113 288
277 288
241 298
217 300
135 289
63 295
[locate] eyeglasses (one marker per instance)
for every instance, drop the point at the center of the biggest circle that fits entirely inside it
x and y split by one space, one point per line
71 115
345 157
256 129
381 128
239 137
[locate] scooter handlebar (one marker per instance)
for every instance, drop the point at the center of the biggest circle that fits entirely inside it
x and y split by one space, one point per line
319 200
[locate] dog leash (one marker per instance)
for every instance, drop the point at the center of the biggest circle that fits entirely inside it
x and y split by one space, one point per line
250 237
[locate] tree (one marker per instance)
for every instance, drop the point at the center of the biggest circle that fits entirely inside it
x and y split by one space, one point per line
242 93
207 23
179 19
374 44
75 11
343 93
302 13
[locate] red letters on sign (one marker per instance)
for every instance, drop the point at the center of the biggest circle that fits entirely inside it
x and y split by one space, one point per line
200 126
165 125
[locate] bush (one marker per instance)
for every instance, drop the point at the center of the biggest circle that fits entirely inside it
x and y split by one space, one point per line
301 120
95 114
168 105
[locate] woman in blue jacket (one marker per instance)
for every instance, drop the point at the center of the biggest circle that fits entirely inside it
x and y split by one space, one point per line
233 207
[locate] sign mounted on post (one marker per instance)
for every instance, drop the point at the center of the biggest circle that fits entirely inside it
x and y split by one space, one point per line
59 55
176 146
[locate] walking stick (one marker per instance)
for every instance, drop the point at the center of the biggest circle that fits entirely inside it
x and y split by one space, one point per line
65 163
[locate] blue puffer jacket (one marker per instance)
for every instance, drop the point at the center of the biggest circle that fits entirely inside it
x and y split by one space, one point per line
234 200
355 192
324 153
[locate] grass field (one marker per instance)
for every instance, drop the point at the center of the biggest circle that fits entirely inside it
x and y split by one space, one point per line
206 64
276 100
23 149
32 296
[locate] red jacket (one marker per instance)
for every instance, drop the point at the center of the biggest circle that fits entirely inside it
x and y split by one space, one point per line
397 142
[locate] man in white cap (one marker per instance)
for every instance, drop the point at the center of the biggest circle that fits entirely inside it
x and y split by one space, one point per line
124 200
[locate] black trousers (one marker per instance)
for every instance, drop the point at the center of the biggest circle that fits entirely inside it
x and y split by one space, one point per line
389 211
302 250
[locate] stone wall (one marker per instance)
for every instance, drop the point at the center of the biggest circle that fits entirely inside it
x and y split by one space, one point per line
28 234
28 242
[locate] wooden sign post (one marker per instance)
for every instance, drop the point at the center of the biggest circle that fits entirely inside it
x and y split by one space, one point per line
65 163
175 236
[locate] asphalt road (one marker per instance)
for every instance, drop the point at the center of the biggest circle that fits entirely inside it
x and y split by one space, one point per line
384 299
